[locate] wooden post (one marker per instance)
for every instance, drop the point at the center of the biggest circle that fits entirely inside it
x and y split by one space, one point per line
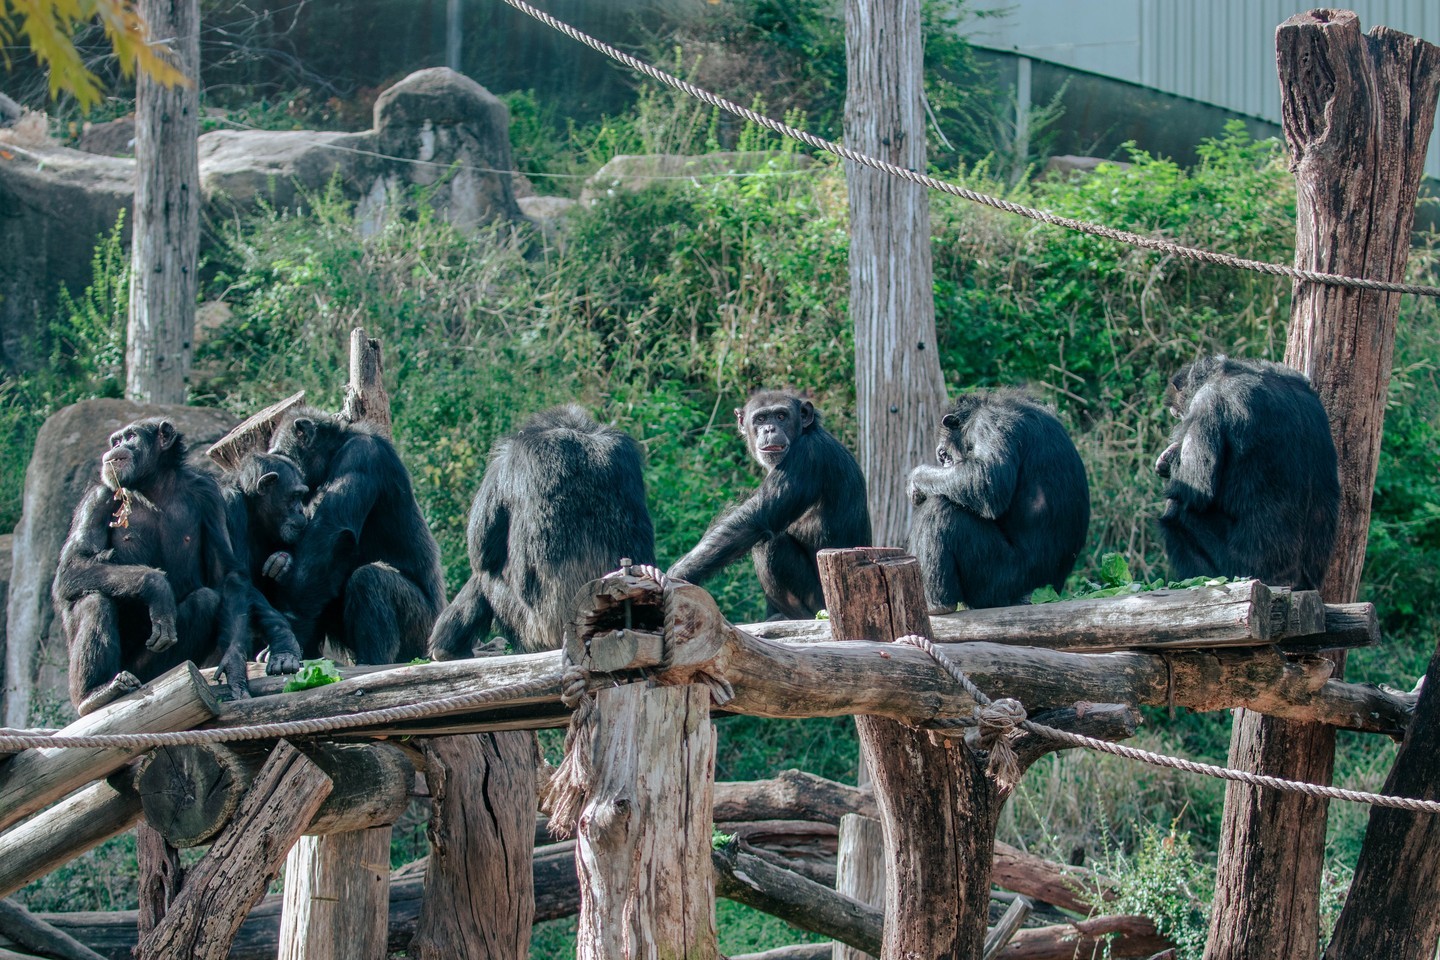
647 886
480 885
163 275
859 873
938 809
337 903
160 874
1357 111
899 390
365 396
243 859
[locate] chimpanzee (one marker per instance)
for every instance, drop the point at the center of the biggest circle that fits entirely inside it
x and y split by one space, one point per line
265 510
147 578
1006 510
366 565
1253 488
813 497
561 503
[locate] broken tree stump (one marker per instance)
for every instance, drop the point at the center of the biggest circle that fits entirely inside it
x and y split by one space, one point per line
246 856
365 397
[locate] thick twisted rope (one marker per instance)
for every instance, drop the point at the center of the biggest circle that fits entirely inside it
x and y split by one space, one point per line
1000 732
974 196
15 742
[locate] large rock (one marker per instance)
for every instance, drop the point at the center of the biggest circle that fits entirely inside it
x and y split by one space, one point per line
436 129
65 462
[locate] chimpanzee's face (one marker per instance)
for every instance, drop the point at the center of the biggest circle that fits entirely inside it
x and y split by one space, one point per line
135 451
280 498
771 429
296 439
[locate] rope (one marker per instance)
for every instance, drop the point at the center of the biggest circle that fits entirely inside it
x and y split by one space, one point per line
13 743
1008 206
993 724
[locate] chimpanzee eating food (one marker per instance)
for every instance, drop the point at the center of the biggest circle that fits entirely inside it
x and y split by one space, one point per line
1007 508
265 512
147 578
366 571
562 503
812 497
1253 487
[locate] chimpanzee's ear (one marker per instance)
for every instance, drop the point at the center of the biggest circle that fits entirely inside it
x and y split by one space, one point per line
267 480
950 422
165 434
807 414
740 417
305 428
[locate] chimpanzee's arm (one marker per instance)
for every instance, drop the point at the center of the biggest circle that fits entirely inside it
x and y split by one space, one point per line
781 500
338 510
489 531
84 566
465 620
1195 471
982 482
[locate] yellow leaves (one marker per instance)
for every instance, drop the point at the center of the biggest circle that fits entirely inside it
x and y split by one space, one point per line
49 27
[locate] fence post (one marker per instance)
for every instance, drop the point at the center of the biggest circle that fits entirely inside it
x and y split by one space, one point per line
938 809
647 887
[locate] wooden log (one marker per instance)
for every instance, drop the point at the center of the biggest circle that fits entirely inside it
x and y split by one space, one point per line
479 886
1123 936
859 873
746 878
365 396
799 951
944 845
791 795
1005 930
58 835
1357 112
34 779
337 895
644 834
251 435
1348 626
243 859
33 933
160 876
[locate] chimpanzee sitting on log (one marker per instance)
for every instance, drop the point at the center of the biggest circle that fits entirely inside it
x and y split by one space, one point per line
366 570
265 511
147 578
1007 508
562 503
1253 485
812 497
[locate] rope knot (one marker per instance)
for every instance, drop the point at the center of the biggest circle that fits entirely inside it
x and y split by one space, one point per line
1000 722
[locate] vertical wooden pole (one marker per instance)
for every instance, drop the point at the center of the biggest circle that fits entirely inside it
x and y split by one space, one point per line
647 886
479 899
859 870
1357 113
166 247
336 904
938 809
161 876
899 390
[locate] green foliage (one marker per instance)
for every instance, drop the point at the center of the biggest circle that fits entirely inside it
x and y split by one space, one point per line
1115 580
1162 880
313 673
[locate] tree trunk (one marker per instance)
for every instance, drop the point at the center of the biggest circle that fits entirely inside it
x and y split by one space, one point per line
899 390
479 885
160 875
337 897
165 252
1357 112
860 870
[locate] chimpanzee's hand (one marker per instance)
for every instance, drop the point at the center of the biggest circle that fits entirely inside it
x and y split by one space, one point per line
162 634
277 565
917 496
237 680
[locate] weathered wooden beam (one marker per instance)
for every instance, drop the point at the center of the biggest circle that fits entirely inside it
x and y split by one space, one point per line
252 434
644 835
798 951
246 856
859 873
1001 934
337 896
365 396
34 779
33 933
791 795
54 837
1125 937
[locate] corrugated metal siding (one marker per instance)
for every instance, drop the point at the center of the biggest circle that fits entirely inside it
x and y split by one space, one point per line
1218 51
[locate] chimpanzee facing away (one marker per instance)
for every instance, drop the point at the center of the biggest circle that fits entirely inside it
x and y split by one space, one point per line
813 497
366 570
1253 488
1006 510
265 511
562 502
147 578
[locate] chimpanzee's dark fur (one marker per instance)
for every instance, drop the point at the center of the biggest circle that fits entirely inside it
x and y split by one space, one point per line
813 497
366 570
561 503
142 589
1006 510
265 510
1253 487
